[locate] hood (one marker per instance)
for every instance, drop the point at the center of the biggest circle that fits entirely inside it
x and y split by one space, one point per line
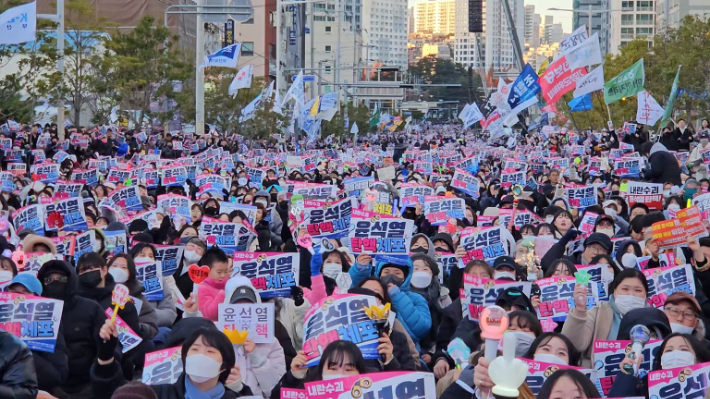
64 268
31 240
265 194
624 246
432 251
236 282
409 265
650 317
657 147
184 328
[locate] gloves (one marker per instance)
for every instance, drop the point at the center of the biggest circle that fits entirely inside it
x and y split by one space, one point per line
316 263
297 295
571 234
107 348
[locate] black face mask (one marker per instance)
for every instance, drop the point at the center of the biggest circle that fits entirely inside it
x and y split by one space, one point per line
90 279
441 249
615 192
274 197
54 290
420 250
390 278
283 204
212 212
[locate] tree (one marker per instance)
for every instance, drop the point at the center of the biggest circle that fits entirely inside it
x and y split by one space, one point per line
142 66
434 70
360 115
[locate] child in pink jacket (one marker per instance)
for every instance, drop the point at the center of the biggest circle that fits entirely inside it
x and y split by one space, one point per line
211 291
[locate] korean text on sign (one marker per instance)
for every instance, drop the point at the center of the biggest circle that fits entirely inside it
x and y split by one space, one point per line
272 274
374 234
386 385
557 300
662 282
257 318
479 293
33 319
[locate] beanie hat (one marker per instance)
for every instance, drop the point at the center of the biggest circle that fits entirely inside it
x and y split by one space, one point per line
428 259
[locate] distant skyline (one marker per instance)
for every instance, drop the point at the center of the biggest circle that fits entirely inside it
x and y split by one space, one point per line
541 6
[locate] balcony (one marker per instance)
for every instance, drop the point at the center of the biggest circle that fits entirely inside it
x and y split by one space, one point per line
627 35
645 9
626 22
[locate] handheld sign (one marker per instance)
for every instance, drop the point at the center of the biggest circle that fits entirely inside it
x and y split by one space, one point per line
197 274
306 242
119 297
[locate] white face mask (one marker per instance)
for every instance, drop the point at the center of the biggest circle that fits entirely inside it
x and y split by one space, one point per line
608 232
549 358
532 276
192 256
680 328
610 211
666 193
201 368
5 275
119 275
673 207
143 259
502 275
333 377
628 261
673 359
332 270
420 280
627 303
523 341
261 201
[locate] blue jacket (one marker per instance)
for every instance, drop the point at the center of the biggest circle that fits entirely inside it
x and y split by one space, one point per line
412 309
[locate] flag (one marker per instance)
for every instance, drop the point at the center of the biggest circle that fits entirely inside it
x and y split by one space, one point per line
242 80
250 109
559 79
354 129
649 111
328 115
583 103
295 91
626 84
464 111
375 120
227 57
574 40
19 24
314 108
590 82
524 91
472 116
543 67
674 92
543 121
587 53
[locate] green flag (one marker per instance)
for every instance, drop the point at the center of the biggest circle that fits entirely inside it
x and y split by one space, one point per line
669 107
375 120
626 84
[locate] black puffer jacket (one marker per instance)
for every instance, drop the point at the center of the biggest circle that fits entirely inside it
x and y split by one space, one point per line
102 296
17 370
81 321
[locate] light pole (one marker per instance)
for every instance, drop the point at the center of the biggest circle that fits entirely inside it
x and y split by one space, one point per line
59 19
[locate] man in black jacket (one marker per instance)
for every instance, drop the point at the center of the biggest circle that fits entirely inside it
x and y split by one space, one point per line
18 379
81 321
684 136
670 139
664 165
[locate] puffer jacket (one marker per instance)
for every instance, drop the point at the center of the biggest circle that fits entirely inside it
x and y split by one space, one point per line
17 370
412 308
165 310
209 295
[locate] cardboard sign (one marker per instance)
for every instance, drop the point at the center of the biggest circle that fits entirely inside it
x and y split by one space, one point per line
35 320
608 355
231 237
169 257
685 382
440 209
328 220
258 318
339 317
374 234
126 336
151 275
272 274
482 243
163 366
411 385
662 282
650 194
479 293
556 297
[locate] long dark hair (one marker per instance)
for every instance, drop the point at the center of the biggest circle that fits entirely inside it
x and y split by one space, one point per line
579 379
136 250
129 262
572 352
569 265
386 296
216 339
337 353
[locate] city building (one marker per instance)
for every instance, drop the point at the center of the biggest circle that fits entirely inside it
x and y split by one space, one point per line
537 56
410 20
495 43
635 20
421 45
435 16
600 20
550 32
670 13
532 27
387 31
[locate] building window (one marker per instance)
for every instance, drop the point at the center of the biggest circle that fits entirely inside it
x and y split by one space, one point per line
320 18
627 19
627 5
327 29
327 69
248 49
272 51
327 49
644 19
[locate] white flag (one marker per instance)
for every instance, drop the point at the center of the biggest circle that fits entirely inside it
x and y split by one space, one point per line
227 57
242 80
19 24
250 109
296 91
586 54
327 115
474 115
574 40
354 129
464 111
277 104
590 82
649 111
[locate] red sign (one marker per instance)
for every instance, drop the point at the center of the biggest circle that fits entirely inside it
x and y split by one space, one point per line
558 79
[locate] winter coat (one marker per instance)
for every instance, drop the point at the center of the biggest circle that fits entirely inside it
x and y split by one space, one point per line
165 310
273 218
695 154
584 327
670 140
147 318
412 308
17 371
664 166
102 296
291 317
626 385
52 366
686 136
210 294
82 319
262 369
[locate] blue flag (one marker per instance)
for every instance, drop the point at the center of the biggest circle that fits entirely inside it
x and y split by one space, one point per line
524 90
583 103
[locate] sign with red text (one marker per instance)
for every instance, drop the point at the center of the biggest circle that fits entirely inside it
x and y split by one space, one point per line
258 318
662 282
163 366
272 274
398 384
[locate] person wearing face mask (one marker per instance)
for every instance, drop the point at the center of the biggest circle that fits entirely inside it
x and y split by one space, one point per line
629 291
329 274
627 253
685 315
208 360
194 250
164 309
505 268
605 225
80 324
212 208
413 308
272 216
422 244
595 244
123 270
677 350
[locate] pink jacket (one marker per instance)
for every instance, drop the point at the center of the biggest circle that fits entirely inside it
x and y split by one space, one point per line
317 291
209 296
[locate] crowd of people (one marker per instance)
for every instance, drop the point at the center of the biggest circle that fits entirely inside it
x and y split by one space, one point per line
545 234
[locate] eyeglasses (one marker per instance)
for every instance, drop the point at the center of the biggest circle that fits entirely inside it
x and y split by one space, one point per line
50 279
687 315
598 249
196 248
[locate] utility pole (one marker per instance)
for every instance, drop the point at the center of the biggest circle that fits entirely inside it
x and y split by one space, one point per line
199 72
59 19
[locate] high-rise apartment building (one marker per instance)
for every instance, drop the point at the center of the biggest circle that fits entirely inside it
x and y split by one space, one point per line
636 19
600 20
670 13
532 27
386 28
435 16
551 32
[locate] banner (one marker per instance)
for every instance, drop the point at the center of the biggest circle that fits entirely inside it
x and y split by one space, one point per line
169 257
556 297
590 82
126 336
626 84
67 214
29 216
257 318
328 220
648 111
587 53
524 91
440 209
608 355
35 320
575 39
19 24
663 281
384 385
231 237
482 243
684 382
151 275
675 232
559 79
227 57
479 293
163 366
581 197
650 194
466 183
340 317
271 274
374 234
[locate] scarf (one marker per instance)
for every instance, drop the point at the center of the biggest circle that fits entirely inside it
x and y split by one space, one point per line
615 322
192 392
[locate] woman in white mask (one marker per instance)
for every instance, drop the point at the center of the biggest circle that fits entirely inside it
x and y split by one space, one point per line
677 350
191 255
123 270
583 326
683 312
8 270
208 361
165 308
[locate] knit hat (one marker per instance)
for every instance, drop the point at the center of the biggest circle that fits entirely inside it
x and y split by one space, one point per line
143 237
426 258
403 268
139 225
134 390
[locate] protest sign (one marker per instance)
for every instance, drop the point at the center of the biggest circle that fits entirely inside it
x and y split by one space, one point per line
35 320
484 243
29 217
440 209
539 372
675 232
67 214
582 196
374 234
446 262
340 317
601 275
35 260
64 190
608 355
398 384
128 198
411 194
271 274
65 245
174 177
230 237
466 183
89 177
17 169
556 299
126 336
328 220
356 185
650 194
588 223
628 167
163 366
115 242
118 176
521 218
169 257
681 382
479 293
662 282
208 183
257 318
173 204
507 180
151 275
293 393
85 242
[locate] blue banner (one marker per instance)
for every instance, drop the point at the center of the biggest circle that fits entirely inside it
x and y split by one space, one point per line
583 103
524 90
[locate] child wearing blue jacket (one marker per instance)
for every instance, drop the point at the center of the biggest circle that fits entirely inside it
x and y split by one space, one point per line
412 309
